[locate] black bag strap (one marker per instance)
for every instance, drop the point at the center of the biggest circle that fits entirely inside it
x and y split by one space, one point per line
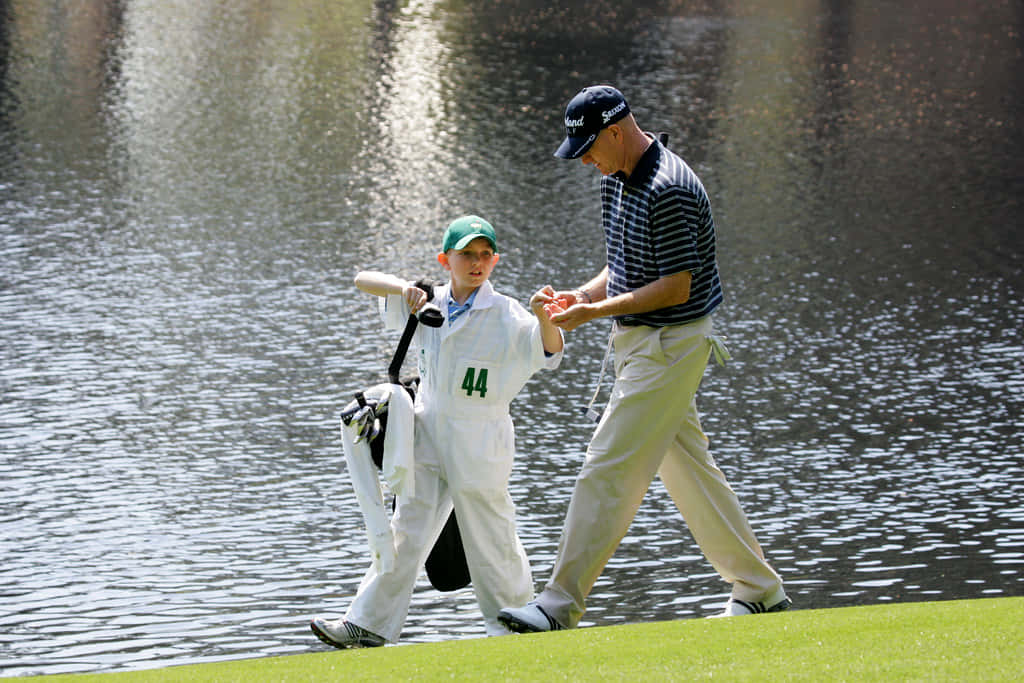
403 347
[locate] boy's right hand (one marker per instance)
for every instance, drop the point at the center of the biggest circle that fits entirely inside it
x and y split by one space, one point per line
414 297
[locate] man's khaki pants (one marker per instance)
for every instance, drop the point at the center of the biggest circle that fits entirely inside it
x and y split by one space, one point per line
649 427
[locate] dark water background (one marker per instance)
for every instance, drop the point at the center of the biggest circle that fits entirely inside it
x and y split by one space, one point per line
186 190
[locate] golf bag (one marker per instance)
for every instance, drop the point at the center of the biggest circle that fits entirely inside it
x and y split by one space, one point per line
367 418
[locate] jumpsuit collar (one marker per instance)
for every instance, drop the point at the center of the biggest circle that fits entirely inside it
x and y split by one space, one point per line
455 309
484 297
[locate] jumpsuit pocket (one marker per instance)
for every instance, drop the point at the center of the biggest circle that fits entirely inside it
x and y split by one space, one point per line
480 454
474 381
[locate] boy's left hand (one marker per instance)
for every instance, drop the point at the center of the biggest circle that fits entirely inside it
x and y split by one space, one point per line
544 302
553 309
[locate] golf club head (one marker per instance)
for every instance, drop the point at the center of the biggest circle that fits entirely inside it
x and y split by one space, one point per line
430 315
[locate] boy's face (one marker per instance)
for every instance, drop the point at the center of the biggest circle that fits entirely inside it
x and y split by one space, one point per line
471 266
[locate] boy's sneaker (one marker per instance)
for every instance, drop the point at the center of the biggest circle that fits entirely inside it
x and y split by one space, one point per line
529 619
344 634
738 608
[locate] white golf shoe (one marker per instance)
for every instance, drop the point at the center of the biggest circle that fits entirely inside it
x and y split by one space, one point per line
344 634
529 619
739 608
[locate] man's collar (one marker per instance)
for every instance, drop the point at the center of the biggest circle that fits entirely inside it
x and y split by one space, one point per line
644 167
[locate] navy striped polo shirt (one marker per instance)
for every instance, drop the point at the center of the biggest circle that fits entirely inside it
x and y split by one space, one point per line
658 223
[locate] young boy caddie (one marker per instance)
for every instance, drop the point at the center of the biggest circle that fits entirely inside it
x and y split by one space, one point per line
470 370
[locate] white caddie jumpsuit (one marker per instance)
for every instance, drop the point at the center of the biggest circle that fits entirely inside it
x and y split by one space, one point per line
464 449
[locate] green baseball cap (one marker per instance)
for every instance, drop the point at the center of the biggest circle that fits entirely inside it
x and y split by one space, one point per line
464 230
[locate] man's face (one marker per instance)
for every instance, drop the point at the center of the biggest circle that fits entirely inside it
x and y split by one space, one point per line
606 153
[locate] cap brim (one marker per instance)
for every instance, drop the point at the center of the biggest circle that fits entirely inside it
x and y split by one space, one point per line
575 147
464 242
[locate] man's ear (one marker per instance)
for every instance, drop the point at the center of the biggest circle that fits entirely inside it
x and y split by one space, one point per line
442 258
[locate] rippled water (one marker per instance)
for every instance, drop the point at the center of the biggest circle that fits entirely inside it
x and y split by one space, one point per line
186 191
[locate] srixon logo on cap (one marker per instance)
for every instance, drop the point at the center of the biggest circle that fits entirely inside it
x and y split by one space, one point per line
608 115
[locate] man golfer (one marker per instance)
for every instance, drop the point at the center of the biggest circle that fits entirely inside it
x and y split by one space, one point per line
660 285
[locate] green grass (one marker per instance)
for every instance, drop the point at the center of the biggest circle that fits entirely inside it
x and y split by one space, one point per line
944 641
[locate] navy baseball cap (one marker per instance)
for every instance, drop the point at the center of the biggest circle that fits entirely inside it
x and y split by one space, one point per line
590 111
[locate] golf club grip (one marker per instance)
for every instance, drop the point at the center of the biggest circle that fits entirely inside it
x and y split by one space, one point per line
403 347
